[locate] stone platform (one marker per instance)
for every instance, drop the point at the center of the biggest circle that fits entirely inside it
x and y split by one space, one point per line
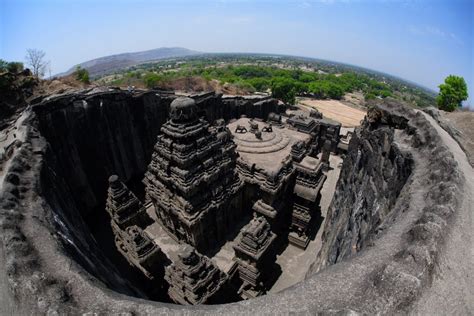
268 151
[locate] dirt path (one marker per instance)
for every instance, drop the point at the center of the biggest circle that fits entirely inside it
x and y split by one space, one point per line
455 277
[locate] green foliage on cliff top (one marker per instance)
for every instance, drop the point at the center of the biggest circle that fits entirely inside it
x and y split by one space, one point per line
82 74
284 84
303 77
13 66
451 93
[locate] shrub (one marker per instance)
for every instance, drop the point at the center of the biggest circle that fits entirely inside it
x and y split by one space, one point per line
151 79
82 74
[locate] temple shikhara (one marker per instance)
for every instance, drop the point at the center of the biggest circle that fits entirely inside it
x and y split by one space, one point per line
223 199
192 181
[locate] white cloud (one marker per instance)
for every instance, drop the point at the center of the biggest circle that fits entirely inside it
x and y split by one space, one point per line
429 30
304 4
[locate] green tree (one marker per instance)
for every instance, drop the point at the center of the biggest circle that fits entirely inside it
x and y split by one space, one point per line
82 74
284 89
307 77
317 89
3 65
151 79
451 93
334 91
260 84
370 96
15 67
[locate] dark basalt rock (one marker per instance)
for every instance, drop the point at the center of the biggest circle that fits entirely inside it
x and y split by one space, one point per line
54 265
373 174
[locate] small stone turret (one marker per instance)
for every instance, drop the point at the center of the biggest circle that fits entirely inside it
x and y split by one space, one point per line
193 278
306 195
123 206
254 255
140 251
298 151
128 217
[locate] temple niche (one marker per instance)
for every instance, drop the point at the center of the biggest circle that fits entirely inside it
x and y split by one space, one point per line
223 200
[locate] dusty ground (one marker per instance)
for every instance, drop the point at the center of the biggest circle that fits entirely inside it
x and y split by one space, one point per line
463 121
336 110
355 99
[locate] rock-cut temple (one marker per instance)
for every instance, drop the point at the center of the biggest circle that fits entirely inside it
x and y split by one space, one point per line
246 188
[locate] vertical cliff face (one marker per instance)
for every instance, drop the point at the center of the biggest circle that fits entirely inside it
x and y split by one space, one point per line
95 136
372 176
229 107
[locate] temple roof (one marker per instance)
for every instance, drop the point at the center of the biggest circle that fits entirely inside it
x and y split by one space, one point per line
271 150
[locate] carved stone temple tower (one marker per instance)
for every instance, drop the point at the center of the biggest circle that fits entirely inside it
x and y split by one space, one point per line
306 195
123 207
191 179
139 250
193 278
128 217
255 254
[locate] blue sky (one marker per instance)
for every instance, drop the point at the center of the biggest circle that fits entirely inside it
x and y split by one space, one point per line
419 40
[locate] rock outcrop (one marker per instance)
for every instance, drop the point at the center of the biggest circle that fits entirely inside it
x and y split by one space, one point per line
374 172
15 89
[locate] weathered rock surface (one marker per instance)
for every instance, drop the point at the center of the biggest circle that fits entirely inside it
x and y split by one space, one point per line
15 89
374 172
42 203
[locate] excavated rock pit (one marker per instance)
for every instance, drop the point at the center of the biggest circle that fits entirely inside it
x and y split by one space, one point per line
401 191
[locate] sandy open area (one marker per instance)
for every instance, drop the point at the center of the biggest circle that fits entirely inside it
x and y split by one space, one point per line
463 121
336 110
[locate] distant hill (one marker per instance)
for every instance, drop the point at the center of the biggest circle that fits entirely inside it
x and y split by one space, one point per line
108 64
